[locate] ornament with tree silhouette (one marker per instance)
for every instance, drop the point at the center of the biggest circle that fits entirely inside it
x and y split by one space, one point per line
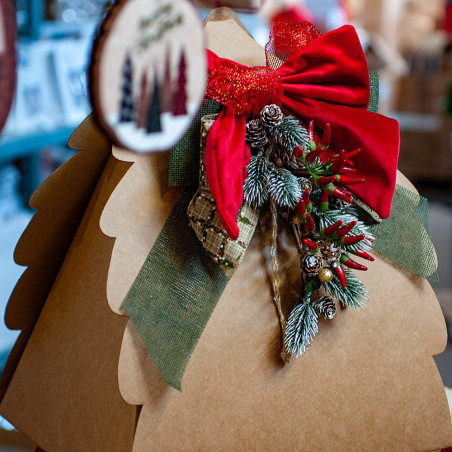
146 79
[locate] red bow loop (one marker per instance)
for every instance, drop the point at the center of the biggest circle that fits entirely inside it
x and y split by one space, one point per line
332 69
328 81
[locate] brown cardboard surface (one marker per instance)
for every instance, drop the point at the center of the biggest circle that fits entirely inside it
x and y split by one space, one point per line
150 208
64 392
60 202
227 37
367 383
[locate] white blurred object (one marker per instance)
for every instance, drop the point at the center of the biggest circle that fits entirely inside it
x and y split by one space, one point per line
69 62
76 10
449 398
36 104
10 201
389 58
11 229
327 14
51 86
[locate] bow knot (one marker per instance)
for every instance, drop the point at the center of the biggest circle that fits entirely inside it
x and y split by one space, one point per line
241 88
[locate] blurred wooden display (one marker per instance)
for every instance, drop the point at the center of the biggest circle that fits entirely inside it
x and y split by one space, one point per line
426 153
419 98
406 24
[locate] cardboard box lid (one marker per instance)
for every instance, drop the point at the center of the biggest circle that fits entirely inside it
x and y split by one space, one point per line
61 202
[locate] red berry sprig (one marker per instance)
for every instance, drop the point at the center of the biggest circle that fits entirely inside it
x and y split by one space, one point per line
329 170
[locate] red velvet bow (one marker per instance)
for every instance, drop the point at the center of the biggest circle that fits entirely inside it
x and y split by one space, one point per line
324 78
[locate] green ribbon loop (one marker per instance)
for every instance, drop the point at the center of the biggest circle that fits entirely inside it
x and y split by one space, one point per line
184 157
404 238
174 294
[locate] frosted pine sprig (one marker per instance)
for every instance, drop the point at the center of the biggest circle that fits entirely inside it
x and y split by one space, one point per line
301 327
255 188
289 133
283 187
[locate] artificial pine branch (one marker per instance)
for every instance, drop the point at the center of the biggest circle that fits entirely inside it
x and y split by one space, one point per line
354 295
289 133
284 188
255 187
301 327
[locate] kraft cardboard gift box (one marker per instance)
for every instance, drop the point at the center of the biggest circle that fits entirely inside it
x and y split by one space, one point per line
80 378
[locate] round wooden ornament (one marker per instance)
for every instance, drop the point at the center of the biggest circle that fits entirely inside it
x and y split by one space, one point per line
7 58
148 73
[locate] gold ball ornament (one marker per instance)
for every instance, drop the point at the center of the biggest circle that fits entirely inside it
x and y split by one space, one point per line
326 275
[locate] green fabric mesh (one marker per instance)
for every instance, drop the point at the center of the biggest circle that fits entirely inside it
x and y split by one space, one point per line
184 157
374 80
404 238
174 294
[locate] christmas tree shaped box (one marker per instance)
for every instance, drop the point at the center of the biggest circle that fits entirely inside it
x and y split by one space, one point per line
147 309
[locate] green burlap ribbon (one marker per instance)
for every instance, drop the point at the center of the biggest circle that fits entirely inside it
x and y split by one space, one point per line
179 285
174 294
184 157
404 238
374 80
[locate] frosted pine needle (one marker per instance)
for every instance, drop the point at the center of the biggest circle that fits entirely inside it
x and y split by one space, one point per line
354 295
255 187
289 134
301 327
284 188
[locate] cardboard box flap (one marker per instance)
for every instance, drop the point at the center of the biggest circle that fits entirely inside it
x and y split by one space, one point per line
64 392
60 202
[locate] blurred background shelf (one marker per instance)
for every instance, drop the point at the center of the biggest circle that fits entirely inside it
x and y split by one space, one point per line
19 146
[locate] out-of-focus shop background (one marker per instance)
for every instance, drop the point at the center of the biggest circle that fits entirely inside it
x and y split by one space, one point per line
409 42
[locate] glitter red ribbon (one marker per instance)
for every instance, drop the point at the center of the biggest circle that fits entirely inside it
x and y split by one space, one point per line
322 77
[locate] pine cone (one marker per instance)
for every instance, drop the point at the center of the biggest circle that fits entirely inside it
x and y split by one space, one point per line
295 164
311 264
338 204
271 115
255 134
331 252
326 307
305 184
